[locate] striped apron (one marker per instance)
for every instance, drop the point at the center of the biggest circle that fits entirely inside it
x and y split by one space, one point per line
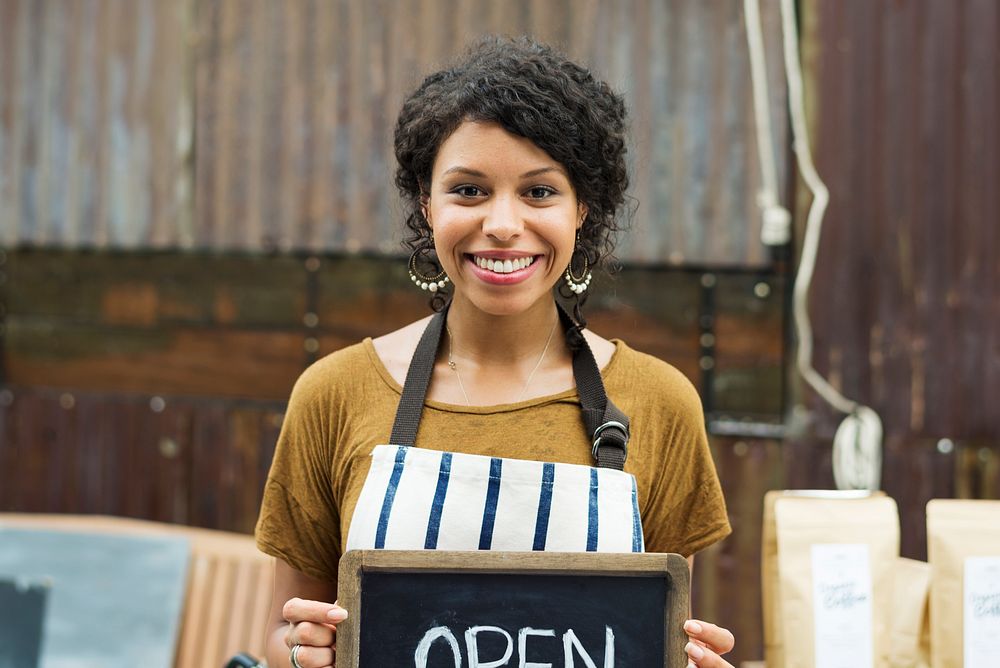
415 498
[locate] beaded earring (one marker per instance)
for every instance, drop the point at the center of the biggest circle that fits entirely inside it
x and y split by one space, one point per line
423 281
578 283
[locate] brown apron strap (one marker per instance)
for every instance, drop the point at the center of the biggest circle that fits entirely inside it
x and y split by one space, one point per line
418 379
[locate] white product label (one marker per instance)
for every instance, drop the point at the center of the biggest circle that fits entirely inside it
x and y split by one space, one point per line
982 612
842 606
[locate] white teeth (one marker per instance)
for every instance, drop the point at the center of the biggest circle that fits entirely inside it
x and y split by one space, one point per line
503 266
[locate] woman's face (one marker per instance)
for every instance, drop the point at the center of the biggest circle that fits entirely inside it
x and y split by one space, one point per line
504 216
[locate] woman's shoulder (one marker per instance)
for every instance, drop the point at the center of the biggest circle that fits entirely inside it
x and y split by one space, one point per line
346 370
395 349
324 375
369 357
635 372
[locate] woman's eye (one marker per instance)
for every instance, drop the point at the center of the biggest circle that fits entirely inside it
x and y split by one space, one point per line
468 191
540 192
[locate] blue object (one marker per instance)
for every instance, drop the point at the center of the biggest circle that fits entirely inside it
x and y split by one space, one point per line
115 600
22 608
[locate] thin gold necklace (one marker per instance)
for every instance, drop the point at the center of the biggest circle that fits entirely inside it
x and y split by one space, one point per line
454 367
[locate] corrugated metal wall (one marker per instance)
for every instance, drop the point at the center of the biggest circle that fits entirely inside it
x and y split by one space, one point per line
906 298
258 125
95 123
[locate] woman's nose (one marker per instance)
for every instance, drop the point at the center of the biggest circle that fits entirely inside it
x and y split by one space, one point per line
502 221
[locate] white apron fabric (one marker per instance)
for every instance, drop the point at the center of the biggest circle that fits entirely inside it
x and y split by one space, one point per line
418 499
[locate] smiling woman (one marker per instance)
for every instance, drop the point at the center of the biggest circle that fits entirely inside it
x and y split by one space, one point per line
463 431
504 216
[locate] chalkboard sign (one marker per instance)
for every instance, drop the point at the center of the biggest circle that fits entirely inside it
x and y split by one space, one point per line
437 609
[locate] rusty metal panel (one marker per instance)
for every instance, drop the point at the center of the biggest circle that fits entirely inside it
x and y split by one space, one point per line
905 300
293 106
93 123
200 462
156 323
174 322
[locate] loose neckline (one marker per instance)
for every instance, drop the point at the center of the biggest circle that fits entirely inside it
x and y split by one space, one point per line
566 394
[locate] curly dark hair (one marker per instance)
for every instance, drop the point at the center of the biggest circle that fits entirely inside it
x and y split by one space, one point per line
533 91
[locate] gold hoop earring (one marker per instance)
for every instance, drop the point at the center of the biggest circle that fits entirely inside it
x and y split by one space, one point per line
578 283
423 281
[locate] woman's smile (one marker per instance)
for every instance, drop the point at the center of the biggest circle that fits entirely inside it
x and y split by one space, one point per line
502 267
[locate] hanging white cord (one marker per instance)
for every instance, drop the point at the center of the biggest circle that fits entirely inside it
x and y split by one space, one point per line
776 229
857 445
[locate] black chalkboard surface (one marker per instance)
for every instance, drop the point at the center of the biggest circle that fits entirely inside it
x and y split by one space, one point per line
434 609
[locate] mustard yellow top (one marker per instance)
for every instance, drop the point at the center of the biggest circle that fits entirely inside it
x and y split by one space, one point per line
344 405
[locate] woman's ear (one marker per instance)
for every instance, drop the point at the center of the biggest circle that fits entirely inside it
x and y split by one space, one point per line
582 211
425 209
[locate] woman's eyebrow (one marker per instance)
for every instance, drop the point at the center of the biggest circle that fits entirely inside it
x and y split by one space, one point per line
464 170
543 170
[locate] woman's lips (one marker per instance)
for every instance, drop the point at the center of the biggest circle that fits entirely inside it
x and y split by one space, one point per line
504 277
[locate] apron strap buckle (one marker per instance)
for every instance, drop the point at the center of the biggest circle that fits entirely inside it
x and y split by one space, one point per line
616 437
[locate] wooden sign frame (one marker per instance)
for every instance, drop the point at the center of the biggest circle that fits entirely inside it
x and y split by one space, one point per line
673 567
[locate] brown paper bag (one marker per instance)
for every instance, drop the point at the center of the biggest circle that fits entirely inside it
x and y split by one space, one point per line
835 563
773 645
910 622
963 549
773 638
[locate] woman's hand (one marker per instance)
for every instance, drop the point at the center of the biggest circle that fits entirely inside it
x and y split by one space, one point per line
312 626
708 643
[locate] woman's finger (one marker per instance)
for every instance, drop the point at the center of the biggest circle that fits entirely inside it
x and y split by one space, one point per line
703 657
310 633
315 657
318 612
716 638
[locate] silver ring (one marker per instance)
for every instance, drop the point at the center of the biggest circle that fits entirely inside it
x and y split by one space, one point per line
295 656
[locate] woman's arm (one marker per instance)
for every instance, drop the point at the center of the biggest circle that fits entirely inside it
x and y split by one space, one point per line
301 608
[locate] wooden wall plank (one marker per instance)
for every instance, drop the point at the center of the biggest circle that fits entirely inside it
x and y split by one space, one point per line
243 326
8 448
200 462
185 360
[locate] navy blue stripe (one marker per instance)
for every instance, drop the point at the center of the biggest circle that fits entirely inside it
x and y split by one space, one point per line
592 514
390 496
637 545
492 498
434 522
544 506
